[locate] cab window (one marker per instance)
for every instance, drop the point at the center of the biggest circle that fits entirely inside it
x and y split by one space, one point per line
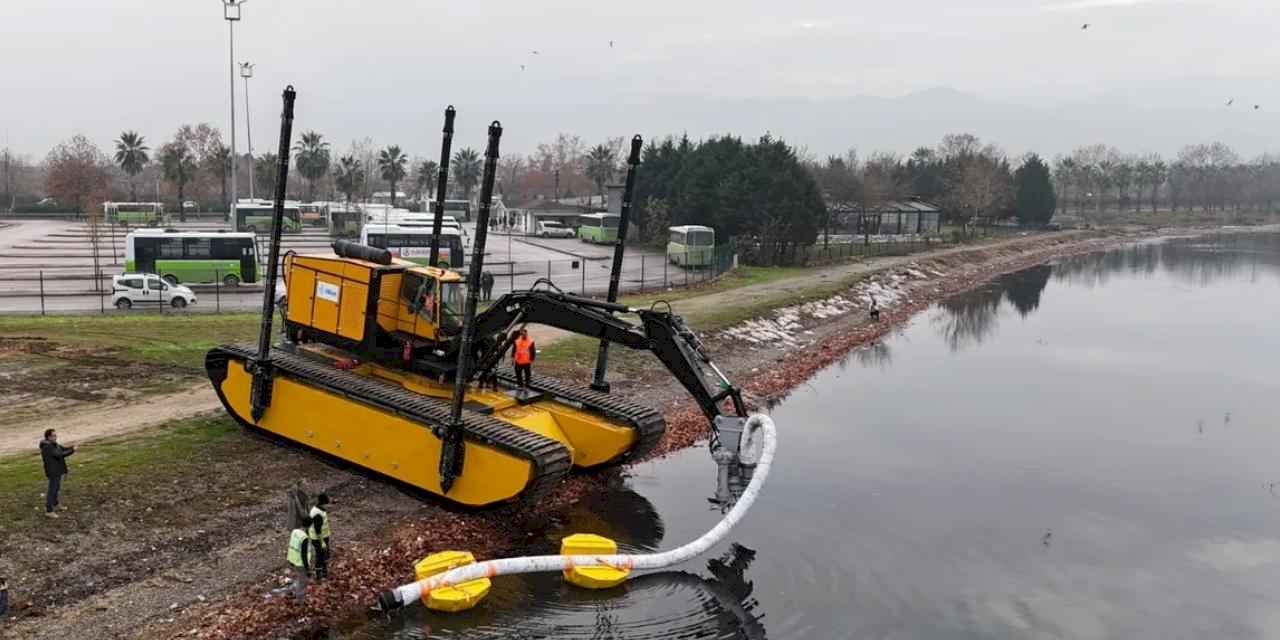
418 291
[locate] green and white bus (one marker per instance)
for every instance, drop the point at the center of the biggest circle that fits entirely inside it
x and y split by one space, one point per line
255 217
414 243
193 256
600 228
691 245
127 213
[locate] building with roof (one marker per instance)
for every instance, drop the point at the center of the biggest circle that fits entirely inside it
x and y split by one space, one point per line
909 216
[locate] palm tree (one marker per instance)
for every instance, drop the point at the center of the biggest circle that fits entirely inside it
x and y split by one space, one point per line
600 166
427 174
348 176
131 155
466 170
179 168
312 159
391 165
264 172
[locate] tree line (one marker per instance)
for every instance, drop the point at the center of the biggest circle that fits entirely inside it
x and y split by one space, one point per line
778 196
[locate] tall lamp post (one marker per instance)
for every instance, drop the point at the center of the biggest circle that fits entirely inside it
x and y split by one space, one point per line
246 72
231 12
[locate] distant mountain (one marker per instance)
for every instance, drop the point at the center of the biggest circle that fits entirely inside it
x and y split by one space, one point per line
1139 120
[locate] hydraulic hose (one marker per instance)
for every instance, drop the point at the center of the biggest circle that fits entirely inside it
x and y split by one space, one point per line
758 443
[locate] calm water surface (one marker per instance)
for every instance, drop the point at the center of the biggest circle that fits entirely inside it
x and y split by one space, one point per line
1080 450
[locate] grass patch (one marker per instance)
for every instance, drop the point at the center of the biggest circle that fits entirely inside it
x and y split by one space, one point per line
101 468
180 340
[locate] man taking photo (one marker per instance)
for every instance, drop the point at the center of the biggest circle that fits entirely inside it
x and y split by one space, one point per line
55 466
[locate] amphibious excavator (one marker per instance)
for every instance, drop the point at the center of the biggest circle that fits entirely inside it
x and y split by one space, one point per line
386 364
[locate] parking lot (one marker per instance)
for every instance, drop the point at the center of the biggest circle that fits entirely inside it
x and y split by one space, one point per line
48 265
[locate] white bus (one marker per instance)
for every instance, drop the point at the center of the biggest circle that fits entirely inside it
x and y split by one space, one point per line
691 245
414 243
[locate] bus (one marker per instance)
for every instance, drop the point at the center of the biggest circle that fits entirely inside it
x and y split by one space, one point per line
344 220
600 228
255 216
193 256
127 213
312 213
414 243
460 208
691 245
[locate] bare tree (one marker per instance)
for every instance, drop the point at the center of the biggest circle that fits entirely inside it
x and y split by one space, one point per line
78 173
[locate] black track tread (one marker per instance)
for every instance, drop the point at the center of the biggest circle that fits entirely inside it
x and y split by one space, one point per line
647 422
551 460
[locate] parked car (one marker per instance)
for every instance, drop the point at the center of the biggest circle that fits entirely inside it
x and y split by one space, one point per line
553 229
148 289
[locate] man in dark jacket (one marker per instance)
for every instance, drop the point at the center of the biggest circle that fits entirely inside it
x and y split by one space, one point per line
55 466
486 285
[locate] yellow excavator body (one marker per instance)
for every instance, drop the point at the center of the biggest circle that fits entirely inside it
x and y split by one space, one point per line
329 394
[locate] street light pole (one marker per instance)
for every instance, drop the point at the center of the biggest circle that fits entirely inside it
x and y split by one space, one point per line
231 13
246 72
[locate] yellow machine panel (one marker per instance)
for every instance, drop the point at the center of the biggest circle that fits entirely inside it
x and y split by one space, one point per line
331 293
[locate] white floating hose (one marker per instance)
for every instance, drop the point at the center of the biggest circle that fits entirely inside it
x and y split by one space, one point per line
758 443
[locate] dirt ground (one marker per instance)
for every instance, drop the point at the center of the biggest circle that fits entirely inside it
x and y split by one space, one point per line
193 554
87 390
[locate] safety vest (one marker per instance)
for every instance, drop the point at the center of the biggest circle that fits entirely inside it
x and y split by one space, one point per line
296 539
524 350
324 527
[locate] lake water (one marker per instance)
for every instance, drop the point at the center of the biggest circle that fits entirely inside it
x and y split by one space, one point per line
1085 449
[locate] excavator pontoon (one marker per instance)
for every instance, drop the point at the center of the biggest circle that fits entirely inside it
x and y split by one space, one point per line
386 364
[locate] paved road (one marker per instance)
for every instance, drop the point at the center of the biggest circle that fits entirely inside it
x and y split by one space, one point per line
60 253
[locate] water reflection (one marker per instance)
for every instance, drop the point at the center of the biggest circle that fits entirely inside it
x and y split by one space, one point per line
970 318
1200 261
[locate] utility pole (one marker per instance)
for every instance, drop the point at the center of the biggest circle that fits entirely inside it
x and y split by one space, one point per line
246 72
231 13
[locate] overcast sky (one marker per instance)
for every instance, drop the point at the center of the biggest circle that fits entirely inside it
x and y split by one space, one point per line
386 68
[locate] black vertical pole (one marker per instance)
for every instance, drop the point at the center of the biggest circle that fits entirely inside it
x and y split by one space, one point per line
260 394
42 293
451 452
442 184
633 163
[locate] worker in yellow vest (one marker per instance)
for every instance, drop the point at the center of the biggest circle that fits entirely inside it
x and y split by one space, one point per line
300 559
318 536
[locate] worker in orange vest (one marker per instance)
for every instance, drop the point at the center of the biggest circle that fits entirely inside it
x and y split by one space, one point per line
523 351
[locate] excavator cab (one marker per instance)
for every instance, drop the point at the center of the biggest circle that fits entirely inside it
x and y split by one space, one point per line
431 303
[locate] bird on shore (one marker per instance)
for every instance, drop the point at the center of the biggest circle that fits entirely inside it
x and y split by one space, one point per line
1084 27
1256 107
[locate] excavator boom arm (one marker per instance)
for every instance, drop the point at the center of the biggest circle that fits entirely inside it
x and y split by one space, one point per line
662 333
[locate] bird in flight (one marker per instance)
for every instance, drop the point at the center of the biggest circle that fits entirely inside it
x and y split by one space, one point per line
535 52
1084 27
1231 101
610 44
522 67
1256 107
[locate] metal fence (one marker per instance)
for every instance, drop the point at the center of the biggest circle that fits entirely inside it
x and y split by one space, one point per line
641 272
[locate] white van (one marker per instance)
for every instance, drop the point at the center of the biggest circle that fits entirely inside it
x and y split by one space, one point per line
129 289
